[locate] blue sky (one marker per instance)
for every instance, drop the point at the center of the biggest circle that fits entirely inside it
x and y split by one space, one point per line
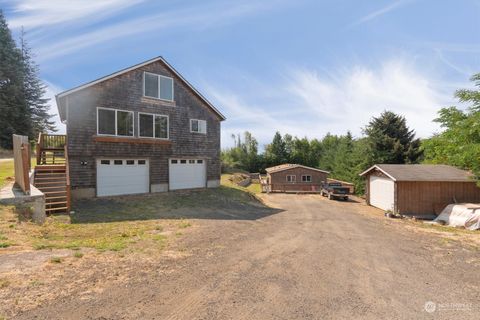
302 67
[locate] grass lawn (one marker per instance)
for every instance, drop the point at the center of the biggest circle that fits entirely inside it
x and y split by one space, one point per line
130 222
253 188
7 172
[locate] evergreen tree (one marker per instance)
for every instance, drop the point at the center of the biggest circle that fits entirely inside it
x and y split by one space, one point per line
22 106
35 90
391 141
15 116
276 152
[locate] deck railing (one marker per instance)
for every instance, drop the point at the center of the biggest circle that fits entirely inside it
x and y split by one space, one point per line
50 146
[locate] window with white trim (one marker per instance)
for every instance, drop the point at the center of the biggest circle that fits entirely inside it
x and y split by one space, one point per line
114 122
198 126
291 178
306 178
157 86
152 126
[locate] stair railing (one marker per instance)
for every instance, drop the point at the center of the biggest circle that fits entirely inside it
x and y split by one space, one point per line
67 178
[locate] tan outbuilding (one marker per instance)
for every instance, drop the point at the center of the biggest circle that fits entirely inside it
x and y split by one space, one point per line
295 178
418 188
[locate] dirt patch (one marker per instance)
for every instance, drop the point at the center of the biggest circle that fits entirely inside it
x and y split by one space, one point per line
108 242
311 258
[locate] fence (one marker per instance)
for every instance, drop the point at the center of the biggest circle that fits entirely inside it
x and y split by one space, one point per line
21 159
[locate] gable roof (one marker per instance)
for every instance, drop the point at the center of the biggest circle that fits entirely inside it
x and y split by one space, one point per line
422 172
288 166
139 65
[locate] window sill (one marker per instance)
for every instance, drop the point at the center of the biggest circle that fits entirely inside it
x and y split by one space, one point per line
134 140
158 101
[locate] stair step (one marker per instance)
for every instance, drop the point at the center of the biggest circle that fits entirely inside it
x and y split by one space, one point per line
56 192
55 209
57 187
54 203
57 197
49 173
50 183
50 178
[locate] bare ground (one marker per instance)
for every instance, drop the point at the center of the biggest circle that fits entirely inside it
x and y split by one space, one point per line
310 259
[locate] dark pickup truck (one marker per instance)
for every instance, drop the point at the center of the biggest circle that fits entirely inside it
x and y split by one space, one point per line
335 190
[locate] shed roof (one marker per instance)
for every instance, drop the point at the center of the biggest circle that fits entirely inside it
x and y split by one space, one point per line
288 166
422 172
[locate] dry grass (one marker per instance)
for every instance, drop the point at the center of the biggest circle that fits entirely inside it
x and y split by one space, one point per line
253 188
114 224
60 233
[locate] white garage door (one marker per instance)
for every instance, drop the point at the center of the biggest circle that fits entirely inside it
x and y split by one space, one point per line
382 192
187 173
122 176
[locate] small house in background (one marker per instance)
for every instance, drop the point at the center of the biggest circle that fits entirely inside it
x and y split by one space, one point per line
417 188
295 178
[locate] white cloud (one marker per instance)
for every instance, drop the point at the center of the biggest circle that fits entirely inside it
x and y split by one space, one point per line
353 97
196 17
39 13
380 12
314 103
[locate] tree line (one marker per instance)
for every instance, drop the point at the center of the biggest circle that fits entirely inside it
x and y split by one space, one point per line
386 139
23 106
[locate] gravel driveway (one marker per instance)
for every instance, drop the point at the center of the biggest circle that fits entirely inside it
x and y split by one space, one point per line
314 259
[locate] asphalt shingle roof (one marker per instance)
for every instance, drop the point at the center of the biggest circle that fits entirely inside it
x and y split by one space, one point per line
423 172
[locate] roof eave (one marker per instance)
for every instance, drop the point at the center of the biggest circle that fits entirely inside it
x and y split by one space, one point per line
159 58
379 169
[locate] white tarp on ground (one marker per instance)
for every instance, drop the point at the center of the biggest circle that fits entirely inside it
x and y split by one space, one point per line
461 215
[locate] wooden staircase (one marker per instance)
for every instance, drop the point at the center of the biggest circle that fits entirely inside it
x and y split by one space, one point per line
52 181
51 174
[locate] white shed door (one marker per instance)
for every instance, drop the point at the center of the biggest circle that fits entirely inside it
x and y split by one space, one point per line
187 173
382 192
122 176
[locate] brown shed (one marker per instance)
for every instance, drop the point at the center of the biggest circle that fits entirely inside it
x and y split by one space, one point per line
418 188
295 178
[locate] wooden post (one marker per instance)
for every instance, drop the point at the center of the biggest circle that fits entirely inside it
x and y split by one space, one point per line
21 161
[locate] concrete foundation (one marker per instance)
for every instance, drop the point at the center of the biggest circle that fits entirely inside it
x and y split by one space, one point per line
213 183
35 201
84 193
161 187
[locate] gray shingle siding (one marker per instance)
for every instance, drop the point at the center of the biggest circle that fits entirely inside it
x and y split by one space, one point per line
125 92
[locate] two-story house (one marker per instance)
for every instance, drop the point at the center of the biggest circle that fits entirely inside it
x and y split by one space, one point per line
139 130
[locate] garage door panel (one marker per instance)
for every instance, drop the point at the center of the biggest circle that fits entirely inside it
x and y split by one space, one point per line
382 192
188 175
118 179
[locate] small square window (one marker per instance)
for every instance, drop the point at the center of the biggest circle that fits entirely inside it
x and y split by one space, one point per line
183 161
199 161
174 161
291 178
142 161
105 162
118 162
198 126
130 162
306 178
191 161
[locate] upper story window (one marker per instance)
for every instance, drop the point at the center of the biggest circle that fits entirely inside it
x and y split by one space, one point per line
157 86
153 125
199 126
114 122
